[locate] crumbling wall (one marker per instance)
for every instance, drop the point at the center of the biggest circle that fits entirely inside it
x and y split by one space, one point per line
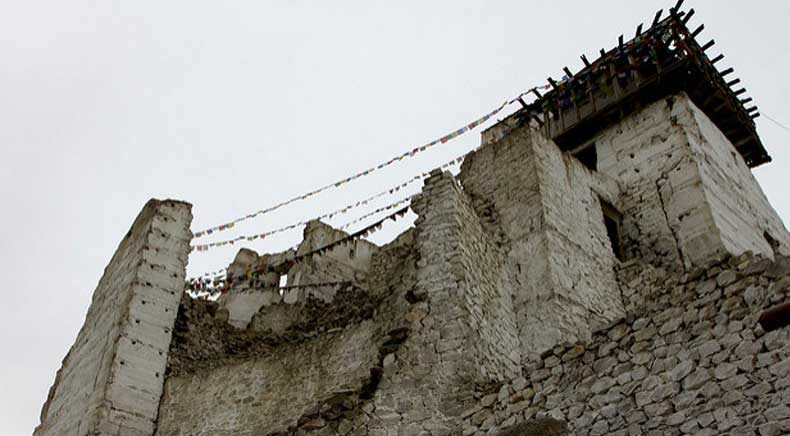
311 358
459 324
266 393
691 359
330 306
393 268
345 262
689 198
226 381
245 297
111 379
544 208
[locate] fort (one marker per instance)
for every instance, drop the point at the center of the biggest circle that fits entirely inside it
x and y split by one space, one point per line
605 263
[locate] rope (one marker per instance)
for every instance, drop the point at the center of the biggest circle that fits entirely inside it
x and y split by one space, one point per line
366 172
329 215
198 284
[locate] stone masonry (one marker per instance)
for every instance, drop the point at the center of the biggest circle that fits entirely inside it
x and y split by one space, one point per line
688 196
690 358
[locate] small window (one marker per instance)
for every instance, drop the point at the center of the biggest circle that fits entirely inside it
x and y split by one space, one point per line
587 155
612 219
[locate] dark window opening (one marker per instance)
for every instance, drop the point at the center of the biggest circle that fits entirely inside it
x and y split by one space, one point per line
775 317
612 219
588 156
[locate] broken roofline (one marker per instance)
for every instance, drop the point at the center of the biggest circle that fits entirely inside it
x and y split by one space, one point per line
663 60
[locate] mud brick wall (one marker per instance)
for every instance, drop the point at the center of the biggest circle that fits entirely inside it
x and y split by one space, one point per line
111 379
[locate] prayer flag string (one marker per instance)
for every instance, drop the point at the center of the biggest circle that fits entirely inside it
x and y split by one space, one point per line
206 247
213 291
366 172
329 215
222 282
219 273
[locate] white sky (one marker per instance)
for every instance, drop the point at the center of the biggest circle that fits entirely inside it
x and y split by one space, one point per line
234 106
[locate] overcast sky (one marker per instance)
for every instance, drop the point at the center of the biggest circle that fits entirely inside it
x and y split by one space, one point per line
234 106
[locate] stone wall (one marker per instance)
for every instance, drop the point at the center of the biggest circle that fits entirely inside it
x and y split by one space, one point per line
688 197
479 306
267 392
348 263
111 379
691 358
303 354
543 208
740 209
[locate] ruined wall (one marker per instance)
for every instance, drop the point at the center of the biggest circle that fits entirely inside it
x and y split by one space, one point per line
350 262
544 208
225 381
689 198
690 359
245 297
400 355
111 379
297 307
439 295
257 396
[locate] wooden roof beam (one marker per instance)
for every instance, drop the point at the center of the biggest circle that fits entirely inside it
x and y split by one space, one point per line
657 17
727 71
688 16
